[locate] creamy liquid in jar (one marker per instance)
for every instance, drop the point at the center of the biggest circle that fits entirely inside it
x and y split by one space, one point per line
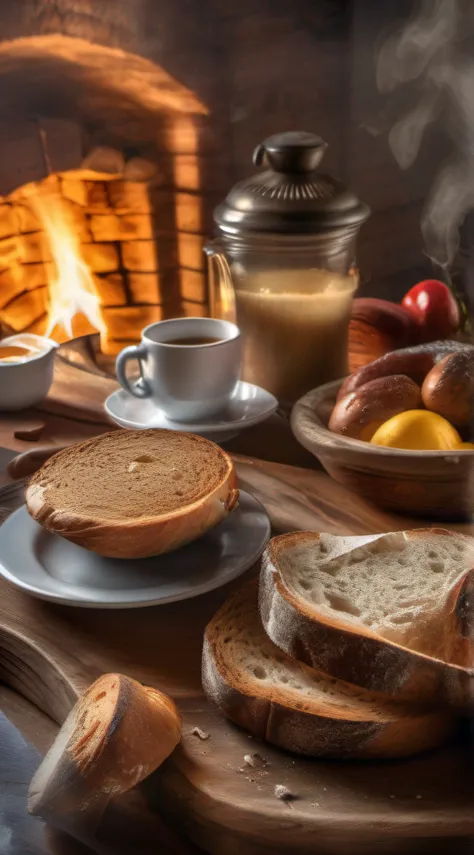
294 325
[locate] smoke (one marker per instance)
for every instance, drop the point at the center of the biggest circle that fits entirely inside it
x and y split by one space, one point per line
432 54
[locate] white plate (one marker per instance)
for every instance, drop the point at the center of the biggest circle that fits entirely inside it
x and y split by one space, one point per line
248 406
51 568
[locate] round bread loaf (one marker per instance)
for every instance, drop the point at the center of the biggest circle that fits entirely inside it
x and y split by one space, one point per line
132 494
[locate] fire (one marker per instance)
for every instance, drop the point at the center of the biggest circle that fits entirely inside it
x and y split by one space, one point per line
71 288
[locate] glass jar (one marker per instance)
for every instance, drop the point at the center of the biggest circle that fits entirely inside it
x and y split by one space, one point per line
283 267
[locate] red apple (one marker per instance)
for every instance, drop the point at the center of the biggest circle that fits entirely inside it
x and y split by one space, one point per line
434 308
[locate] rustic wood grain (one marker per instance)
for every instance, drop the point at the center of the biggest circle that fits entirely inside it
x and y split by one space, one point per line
74 410
201 787
49 654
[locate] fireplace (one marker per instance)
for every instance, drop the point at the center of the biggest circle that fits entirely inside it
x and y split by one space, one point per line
101 223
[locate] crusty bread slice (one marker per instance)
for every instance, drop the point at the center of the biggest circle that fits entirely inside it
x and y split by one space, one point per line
131 494
276 698
388 612
116 735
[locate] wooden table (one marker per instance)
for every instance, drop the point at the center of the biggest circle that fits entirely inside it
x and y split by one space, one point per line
297 495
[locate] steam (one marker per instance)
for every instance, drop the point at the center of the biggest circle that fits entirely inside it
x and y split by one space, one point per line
428 53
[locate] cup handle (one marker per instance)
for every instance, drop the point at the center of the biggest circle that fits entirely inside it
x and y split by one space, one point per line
140 389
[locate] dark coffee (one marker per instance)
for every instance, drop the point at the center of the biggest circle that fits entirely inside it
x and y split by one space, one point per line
193 340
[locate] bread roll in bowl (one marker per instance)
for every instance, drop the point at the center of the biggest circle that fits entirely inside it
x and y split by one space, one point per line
414 362
448 389
360 413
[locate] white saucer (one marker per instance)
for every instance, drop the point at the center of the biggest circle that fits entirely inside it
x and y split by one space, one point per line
51 568
248 406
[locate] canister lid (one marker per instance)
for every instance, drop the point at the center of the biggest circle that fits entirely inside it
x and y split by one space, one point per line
290 195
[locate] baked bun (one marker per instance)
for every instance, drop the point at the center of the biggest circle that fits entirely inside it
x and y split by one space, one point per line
116 735
132 494
448 389
359 414
414 362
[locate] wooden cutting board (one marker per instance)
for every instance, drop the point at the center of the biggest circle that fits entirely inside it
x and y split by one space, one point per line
207 788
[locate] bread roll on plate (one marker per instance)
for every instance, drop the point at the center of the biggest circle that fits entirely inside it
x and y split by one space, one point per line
132 494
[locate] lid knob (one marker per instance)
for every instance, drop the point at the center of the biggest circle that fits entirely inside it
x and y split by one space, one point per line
292 152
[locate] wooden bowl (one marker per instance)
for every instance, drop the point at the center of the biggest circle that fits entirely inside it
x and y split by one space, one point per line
434 484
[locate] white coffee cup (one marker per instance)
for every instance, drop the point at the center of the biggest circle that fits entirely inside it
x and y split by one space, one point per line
187 381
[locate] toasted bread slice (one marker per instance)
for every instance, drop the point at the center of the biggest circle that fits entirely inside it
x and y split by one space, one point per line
131 494
388 612
297 708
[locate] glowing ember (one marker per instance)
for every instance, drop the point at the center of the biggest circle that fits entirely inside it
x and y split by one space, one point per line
71 288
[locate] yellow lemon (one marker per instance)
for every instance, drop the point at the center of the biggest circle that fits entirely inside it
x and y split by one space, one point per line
419 430
465 446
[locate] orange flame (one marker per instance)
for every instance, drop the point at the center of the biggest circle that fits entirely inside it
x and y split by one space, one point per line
71 288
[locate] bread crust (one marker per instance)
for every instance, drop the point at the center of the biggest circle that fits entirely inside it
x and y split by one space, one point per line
399 732
357 654
139 537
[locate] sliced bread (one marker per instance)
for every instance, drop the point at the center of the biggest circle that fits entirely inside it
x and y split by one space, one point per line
276 698
131 494
388 612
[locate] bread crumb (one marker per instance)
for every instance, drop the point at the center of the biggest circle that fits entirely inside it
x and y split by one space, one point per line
196 731
419 797
284 793
255 760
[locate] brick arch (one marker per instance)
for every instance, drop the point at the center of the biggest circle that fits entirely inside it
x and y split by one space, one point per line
102 80
144 245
